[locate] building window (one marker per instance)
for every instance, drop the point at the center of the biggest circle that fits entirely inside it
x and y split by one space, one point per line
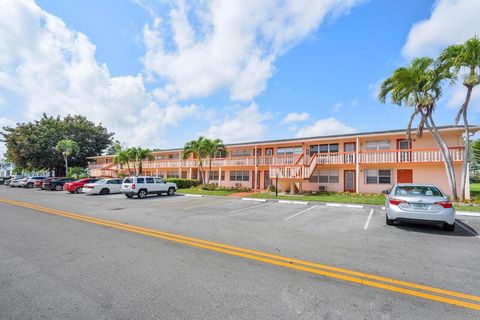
324 148
289 150
173 156
325 176
214 175
239 176
269 151
173 174
241 153
378 176
377 145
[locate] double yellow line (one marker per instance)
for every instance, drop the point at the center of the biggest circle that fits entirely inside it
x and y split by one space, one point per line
403 287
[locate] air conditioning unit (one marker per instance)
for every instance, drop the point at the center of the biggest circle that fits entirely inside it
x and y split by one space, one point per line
322 188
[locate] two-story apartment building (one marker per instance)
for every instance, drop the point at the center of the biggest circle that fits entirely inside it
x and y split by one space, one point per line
366 162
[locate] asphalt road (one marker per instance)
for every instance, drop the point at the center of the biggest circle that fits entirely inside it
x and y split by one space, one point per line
53 266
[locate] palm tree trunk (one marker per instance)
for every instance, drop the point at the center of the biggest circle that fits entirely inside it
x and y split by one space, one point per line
447 160
128 168
466 151
66 165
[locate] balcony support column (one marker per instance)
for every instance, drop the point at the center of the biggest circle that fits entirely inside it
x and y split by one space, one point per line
219 176
357 166
190 173
256 169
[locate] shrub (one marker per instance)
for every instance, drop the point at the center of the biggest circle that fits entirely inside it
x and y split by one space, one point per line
183 183
271 188
77 172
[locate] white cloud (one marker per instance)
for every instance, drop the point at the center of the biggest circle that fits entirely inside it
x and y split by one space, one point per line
451 21
230 45
4 122
296 117
243 124
354 102
322 127
53 69
338 106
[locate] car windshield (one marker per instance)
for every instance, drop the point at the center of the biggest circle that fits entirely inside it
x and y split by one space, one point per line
418 191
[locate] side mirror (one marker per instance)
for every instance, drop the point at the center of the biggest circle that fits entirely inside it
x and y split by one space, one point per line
386 191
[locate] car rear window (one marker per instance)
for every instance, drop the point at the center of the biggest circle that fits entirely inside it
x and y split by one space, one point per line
128 180
418 191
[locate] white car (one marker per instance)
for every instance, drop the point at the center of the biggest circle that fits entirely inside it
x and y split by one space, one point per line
425 204
142 186
105 186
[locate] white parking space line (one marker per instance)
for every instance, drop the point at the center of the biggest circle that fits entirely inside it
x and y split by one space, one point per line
251 207
466 228
365 227
296 214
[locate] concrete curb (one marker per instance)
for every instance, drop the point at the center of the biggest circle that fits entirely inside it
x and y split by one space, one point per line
254 199
467 213
193 195
343 205
293 202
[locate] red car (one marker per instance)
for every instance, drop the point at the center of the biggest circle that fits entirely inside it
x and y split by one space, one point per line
77 185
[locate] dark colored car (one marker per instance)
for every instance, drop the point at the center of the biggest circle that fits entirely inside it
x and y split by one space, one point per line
77 185
56 184
45 184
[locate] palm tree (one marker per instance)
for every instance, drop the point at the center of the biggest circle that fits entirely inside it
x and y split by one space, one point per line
131 154
121 158
67 148
419 86
458 58
142 154
197 148
213 148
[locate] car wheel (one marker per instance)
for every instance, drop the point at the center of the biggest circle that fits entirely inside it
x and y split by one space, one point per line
171 191
142 194
449 227
58 187
388 221
29 185
71 191
129 195
78 190
104 191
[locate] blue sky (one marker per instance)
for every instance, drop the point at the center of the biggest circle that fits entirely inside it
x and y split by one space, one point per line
159 73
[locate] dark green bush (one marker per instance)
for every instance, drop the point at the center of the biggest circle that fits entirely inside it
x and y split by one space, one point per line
183 183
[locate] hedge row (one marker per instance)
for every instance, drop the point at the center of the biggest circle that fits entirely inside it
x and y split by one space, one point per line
183 183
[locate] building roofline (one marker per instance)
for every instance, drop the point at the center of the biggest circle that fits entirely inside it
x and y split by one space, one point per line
473 128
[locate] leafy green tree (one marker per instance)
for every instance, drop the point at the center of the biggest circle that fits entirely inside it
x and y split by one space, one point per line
77 172
132 158
213 148
143 154
463 60
67 148
122 158
32 144
114 148
198 149
419 86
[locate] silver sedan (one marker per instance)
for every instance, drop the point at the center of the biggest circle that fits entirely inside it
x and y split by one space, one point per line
415 203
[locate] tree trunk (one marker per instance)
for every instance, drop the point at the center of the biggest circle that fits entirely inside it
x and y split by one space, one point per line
128 168
447 160
66 166
466 151
140 167
209 169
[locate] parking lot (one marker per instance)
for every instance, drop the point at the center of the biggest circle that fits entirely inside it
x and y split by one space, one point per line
356 239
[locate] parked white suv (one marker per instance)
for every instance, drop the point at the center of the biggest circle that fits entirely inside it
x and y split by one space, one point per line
142 186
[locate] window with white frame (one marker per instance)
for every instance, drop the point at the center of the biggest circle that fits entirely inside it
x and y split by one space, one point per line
378 176
214 175
377 145
325 176
239 176
241 153
289 150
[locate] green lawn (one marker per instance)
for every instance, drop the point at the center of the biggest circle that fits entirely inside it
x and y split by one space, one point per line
475 189
207 192
378 199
